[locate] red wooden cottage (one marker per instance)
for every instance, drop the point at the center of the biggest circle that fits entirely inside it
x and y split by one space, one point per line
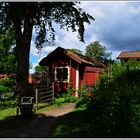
67 67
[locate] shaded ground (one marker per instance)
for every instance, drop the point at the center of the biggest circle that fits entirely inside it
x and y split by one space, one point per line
41 126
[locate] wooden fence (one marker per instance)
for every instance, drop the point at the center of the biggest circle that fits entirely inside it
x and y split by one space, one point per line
44 94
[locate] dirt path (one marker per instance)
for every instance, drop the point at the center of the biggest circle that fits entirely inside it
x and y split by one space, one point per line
41 126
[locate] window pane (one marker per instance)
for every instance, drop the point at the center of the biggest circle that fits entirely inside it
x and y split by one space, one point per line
65 73
59 74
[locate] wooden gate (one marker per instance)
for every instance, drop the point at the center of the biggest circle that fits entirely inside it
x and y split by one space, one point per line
44 96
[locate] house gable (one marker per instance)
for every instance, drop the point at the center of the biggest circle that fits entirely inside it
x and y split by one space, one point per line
60 52
80 69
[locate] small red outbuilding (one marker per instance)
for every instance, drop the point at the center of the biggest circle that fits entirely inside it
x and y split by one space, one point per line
67 67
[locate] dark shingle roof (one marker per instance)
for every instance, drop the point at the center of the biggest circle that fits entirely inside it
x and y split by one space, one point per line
85 59
75 56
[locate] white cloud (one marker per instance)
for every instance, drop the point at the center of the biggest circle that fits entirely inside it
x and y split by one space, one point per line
119 25
133 10
116 26
34 51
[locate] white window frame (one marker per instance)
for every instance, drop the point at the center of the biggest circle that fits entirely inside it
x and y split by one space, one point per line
55 73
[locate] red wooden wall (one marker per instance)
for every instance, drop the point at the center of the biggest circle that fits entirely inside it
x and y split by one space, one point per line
87 75
73 76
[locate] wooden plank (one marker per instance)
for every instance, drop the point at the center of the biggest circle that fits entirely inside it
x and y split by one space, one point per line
44 88
36 98
45 97
47 92
53 91
44 94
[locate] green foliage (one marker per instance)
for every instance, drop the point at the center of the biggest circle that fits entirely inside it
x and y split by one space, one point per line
96 51
7 94
115 103
6 85
8 104
83 103
69 98
7 89
7 53
23 17
39 68
60 101
67 14
118 98
76 51
83 91
66 97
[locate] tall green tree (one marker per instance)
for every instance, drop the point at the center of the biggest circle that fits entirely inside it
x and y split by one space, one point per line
96 51
7 53
23 16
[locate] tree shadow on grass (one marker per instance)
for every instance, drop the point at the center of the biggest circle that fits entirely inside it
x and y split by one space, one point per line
39 125
69 125
14 122
74 125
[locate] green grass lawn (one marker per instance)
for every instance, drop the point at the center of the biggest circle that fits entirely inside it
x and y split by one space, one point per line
9 112
74 124
9 118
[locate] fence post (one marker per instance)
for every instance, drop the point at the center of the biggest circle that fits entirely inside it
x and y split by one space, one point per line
36 98
53 91
17 111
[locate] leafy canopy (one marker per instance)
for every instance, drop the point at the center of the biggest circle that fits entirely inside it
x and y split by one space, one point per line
96 51
43 15
23 17
7 53
39 68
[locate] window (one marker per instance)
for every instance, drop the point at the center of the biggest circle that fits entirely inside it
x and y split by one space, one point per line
62 74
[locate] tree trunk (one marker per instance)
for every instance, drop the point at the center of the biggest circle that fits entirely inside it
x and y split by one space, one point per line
23 40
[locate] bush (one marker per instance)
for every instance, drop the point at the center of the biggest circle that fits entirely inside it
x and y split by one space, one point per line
7 93
66 97
82 103
6 87
59 101
116 102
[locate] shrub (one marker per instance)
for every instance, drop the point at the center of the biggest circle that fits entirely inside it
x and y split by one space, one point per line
66 97
82 103
59 101
116 102
6 85
83 91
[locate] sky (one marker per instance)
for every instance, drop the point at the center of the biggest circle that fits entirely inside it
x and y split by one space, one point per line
116 26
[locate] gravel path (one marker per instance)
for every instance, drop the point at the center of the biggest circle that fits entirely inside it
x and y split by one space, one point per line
41 126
